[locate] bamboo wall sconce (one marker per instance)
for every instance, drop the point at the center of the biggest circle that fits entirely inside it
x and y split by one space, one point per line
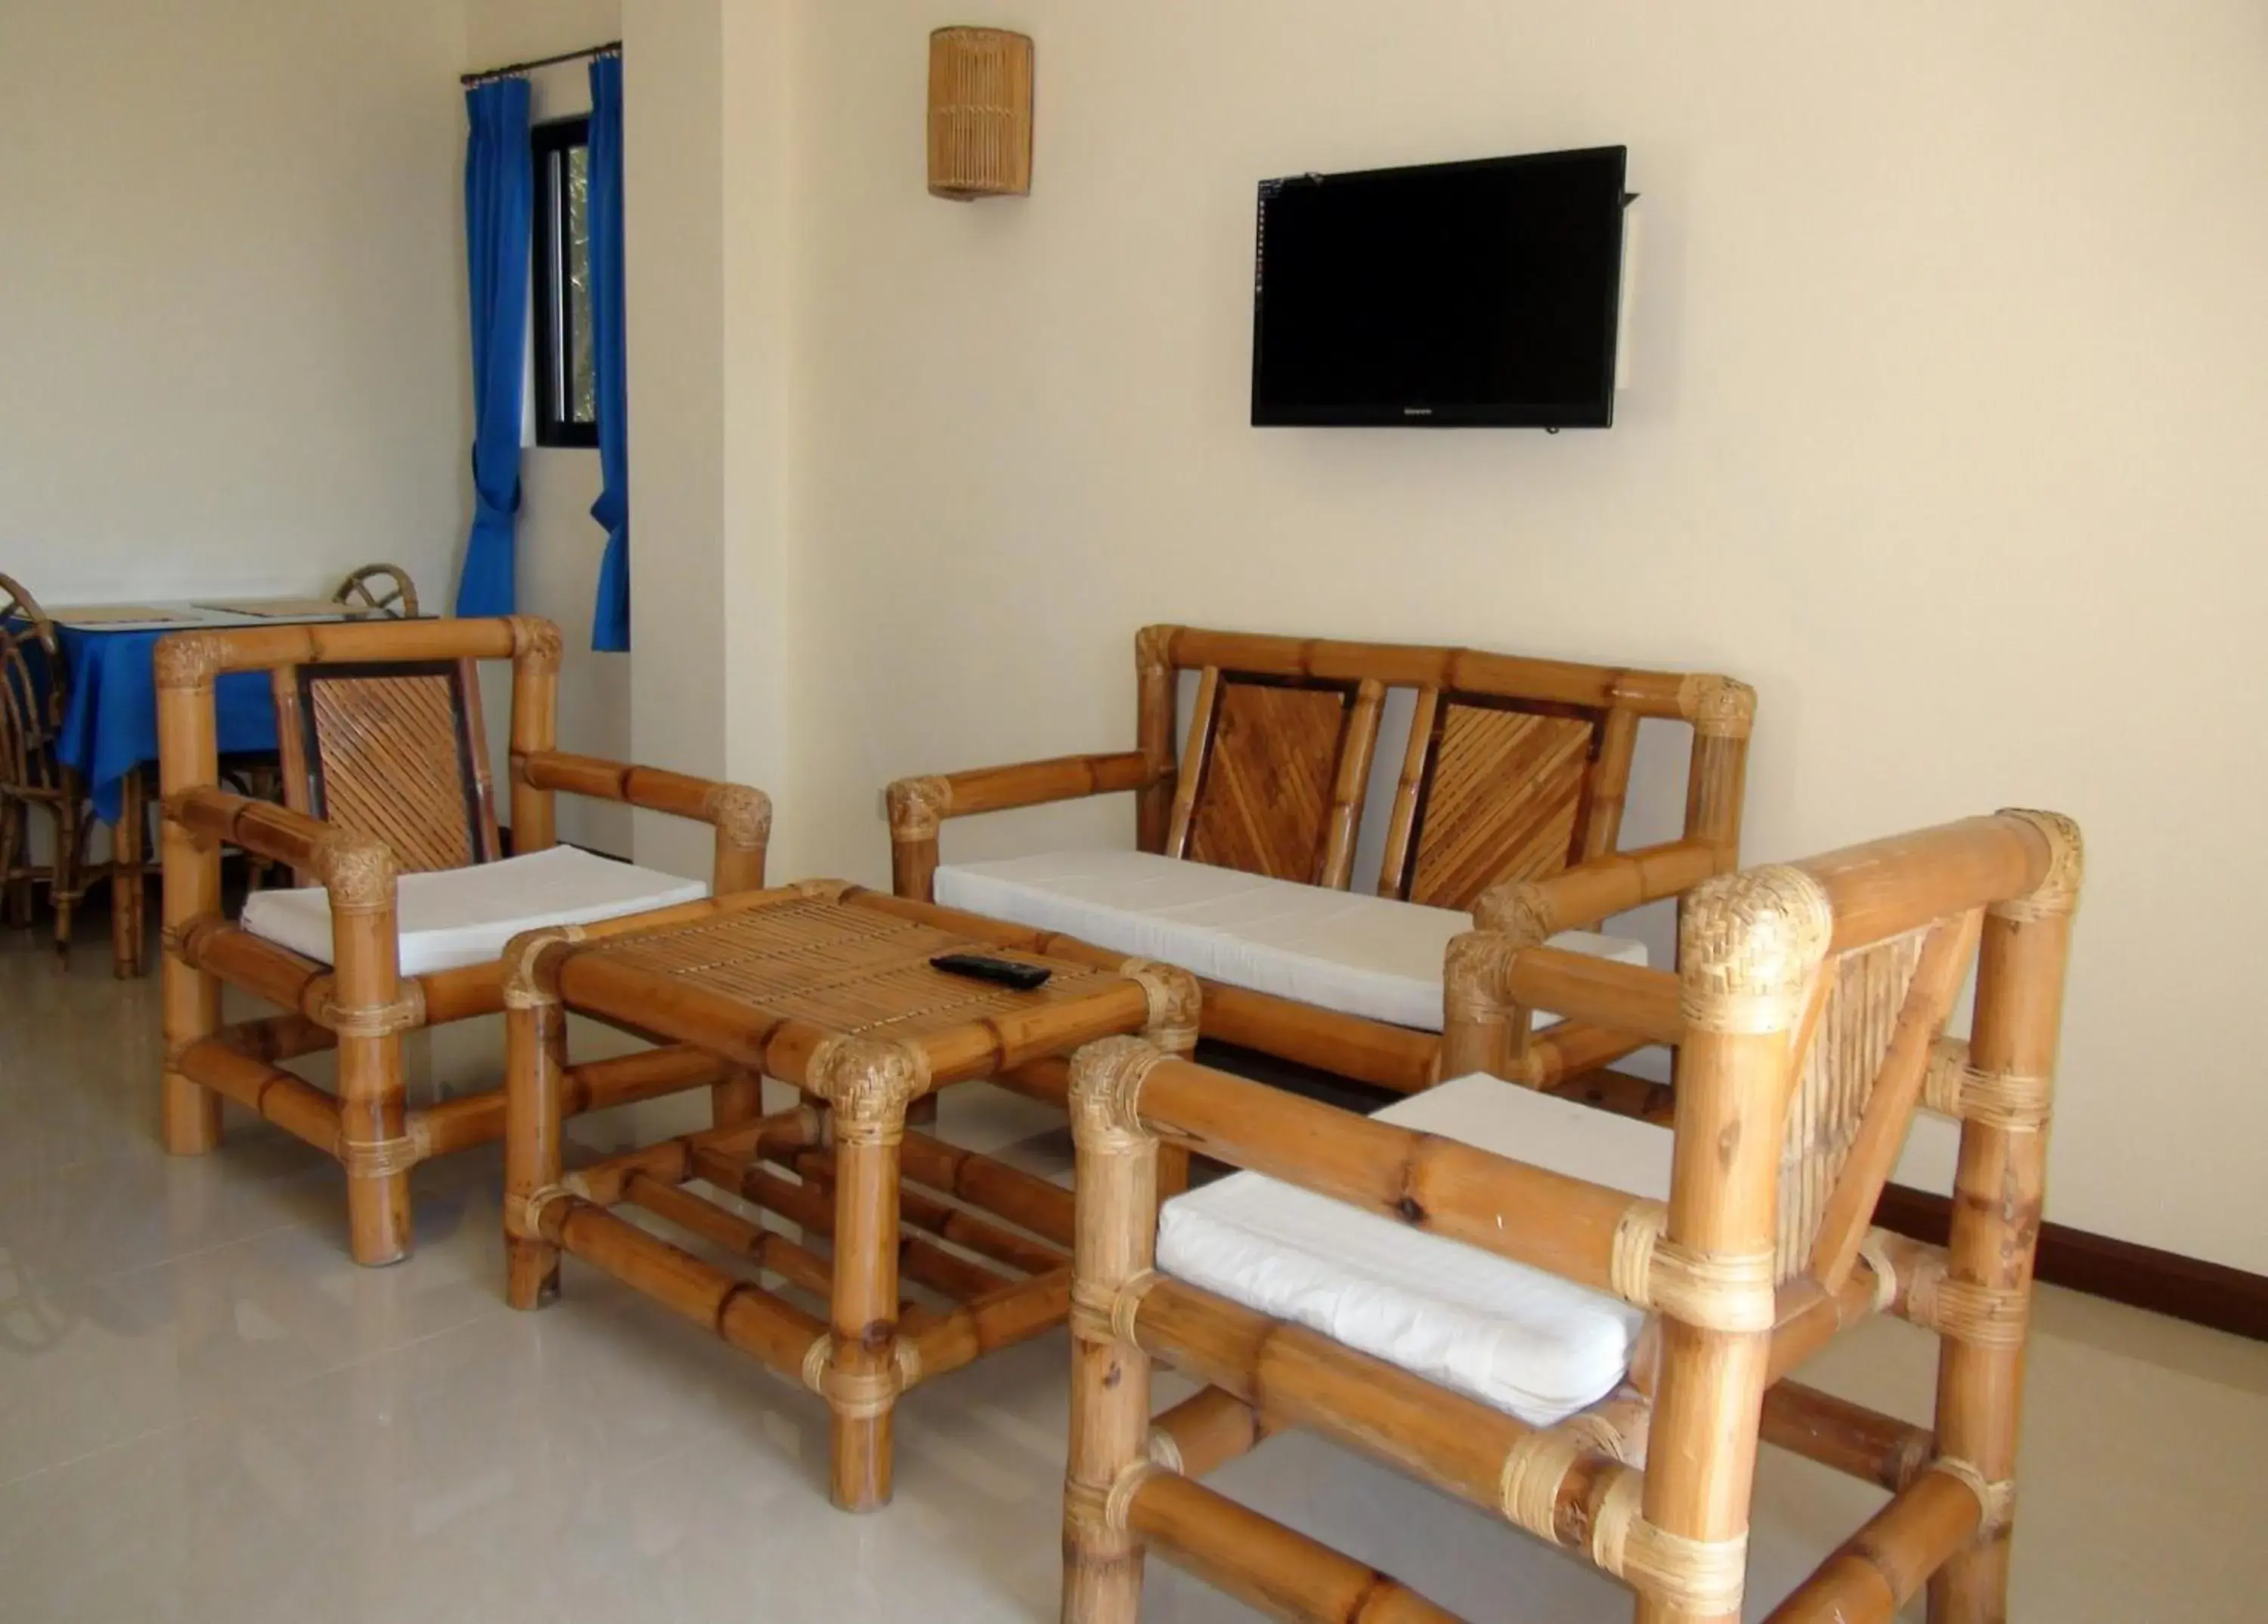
980 113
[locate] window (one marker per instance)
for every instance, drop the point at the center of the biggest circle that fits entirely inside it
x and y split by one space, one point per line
566 379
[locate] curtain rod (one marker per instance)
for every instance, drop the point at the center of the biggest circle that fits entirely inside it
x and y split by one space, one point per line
513 69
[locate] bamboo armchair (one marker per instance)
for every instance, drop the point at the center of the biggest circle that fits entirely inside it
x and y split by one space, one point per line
386 775
1515 775
34 693
1809 1008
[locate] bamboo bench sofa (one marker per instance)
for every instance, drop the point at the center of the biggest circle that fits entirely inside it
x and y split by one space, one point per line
1508 809
1583 1323
406 901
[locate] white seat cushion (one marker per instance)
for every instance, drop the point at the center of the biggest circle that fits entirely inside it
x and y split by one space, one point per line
455 916
1360 956
1516 1337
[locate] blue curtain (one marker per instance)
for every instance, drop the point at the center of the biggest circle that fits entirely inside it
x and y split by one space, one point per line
610 620
499 195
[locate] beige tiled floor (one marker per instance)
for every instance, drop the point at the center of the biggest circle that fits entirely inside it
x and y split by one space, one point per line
208 1415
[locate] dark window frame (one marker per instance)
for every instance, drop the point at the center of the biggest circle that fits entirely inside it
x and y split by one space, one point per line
552 311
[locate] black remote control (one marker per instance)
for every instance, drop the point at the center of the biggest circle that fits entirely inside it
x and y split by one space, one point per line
1007 971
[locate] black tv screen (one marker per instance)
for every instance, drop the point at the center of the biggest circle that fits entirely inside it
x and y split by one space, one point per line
1450 294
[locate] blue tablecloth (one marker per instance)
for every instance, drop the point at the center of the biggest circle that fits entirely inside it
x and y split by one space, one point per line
110 728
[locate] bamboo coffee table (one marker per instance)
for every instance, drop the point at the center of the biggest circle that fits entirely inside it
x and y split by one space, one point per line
826 987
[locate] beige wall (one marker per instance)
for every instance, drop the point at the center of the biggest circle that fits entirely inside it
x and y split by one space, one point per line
232 330
706 101
559 542
1946 430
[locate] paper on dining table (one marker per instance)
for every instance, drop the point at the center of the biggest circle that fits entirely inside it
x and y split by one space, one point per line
127 615
288 609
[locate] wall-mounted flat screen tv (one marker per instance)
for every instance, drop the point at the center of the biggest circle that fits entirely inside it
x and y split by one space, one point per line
1481 294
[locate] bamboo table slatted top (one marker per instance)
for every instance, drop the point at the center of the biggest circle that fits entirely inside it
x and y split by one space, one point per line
762 976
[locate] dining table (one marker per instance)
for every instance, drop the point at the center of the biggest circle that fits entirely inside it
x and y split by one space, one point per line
109 734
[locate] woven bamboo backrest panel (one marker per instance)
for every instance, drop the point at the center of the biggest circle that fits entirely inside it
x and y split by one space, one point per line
1268 752
1503 793
1847 1048
393 751
32 691
854 971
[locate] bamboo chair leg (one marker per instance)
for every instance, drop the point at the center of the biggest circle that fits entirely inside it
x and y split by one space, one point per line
1176 1006
189 1114
1117 1182
126 881
17 897
860 1380
1998 1183
71 837
373 1113
66 878
534 1054
1741 1002
373 1142
738 1098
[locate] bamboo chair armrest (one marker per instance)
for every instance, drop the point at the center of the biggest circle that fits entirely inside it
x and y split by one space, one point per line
1514 1209
1530 910
1484 973
741 815
917 805
355 865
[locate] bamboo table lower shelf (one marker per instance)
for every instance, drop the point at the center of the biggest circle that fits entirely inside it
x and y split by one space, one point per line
828 987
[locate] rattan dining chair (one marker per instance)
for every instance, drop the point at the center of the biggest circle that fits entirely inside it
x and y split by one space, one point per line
410 901
35 682
1592 1340
380 589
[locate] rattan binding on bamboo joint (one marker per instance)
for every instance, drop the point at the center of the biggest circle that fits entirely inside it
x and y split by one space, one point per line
1717 706
2017 1101
860 1395
358 874
1473 970
1521 912
1996 1500
1874 1251
1751 944
525 1217
2057 895
1720 1291
380 1158
187 659
537 641
404 1015
1704 1577
867 1085
741 815
1985 1317
918 807
1112 1506
1106 1316
1106 1092
1176 1001
1538 1465
523 988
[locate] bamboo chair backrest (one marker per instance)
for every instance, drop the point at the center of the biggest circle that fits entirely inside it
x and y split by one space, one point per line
380 589
1497 787
1272 774
1516 768
33 680
1852 963
1872 1050
393 750
1865 990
